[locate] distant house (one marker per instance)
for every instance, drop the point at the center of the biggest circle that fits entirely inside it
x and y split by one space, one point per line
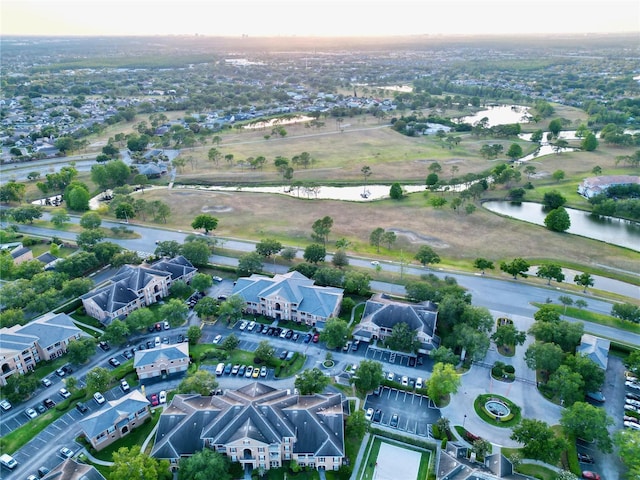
290 296
161 361
592 186
257 425
105 426
133 287
596 348
48 260
382 313
45 338
21 254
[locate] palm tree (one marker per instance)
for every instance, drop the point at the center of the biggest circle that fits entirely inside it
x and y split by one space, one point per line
366 173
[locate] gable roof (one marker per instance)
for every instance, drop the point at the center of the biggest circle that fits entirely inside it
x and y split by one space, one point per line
163 353
72 470
119 409
46 330
596 348
255 411
291 287
177 267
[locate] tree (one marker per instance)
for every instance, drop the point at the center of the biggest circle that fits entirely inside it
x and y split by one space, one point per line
26 214
132 463
558 220
97 380
366 173
369 375
340 259
395 191
20 387
321 229
206 222
288 253
544 356
443 381
420 291
168 248
483 264
627 441
232 308
626 311
268 247
12 191
589 143
196 252
127 257
80 350
389 238
230 343
140 319
426 255
507 334
552 200
566 385
539 440
550 271
264 352
402 338
201 281
558 175
356 424
588 422
357 282
555 126
194 334
201 381
125 210
174 311
116 332
87 239
566 300
514 152
204 464
375 238
584 280
314 253
206 308
445 355
481 447
90 220
249 263
105 251
597 170
59 217
518 266
334 333
311 381
592 375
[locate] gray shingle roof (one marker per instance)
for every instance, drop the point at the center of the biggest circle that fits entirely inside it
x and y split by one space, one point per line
101 420
255 411
163 353
596 348
46 330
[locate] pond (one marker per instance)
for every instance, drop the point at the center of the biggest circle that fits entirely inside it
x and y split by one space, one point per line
615 231
500 115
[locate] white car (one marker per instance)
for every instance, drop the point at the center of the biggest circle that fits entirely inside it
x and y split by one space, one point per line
375 263
163 397
390 376
124 385
419 382
217 339
66 452
99 398
368 414
31 413
632 385
405 381
632 425
251 326
64 393
243 325
5 405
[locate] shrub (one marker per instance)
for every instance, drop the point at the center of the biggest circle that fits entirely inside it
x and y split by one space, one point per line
509 369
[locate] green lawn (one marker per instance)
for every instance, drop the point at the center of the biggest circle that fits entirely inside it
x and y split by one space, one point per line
368 465
593 317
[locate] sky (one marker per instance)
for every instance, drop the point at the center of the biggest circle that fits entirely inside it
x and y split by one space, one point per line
316 17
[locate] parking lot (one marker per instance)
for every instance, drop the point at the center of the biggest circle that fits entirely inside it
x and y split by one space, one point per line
416 413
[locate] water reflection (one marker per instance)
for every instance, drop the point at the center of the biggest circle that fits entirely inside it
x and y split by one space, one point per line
615 231
500 115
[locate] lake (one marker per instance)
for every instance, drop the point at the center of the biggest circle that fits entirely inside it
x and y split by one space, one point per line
500 115
615 231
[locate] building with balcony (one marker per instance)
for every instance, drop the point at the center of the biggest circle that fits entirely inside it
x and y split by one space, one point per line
161 361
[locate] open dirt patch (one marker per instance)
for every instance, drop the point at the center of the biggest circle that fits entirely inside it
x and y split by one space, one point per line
418 238
216 209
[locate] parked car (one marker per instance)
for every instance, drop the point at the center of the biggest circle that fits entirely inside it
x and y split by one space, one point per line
40 408
217 339
163 397
104 346
295 337
419 382
114 362
5 405
241 370
60 372
64 393
220 368
124 385
355 345
596 397
368 414
256 372
584 458
216 279
49 403
45 382
243 324
42 471
307 338
227 369
251 326
283 355
81 407
99 398
405 381
316 337
166 325
391 376
394 420
234 370
154 399
632 425
128 354
377 416
66 452
632 385
8 461
31 413
263 371
412 361
590 475
248 372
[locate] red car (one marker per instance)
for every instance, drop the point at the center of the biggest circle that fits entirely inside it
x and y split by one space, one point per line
316 337
154 400
590 475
